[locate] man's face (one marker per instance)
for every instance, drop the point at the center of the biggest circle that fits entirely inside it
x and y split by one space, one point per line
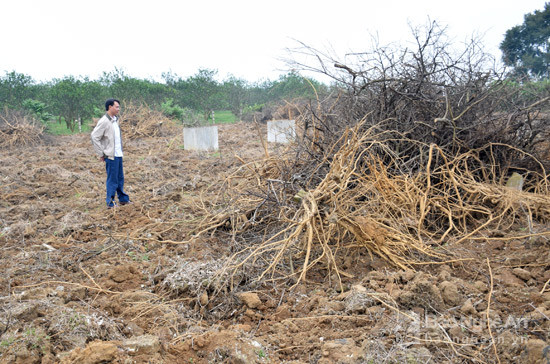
114 109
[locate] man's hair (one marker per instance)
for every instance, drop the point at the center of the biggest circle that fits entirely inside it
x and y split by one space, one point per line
110 102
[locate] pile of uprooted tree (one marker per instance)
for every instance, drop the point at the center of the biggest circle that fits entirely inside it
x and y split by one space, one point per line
18 128
140 120
412 149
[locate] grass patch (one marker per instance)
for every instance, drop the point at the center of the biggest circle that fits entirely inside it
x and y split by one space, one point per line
224 117
197 119
55 128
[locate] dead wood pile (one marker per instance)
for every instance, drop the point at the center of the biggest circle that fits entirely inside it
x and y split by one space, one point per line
139 120
18 129
282 229
412 151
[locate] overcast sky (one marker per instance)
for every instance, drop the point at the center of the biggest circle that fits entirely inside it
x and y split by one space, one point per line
55 38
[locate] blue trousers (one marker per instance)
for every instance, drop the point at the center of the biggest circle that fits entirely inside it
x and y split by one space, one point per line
115 181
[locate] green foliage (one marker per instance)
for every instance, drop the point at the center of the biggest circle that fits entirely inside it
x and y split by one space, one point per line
191 100
98 112
261 354
35 339
31 338
250 110
7 342
129 89
172 111
137 257
15 88
292 85
523 93
75 99
38 109
200 92
526 47
76 320
253 108
236 94
259 93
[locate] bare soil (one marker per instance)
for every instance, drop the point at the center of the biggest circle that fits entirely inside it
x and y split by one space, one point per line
84 284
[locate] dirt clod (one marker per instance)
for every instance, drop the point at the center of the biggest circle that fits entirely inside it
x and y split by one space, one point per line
450 293
146 344
250 299
536 352
96 352
522 273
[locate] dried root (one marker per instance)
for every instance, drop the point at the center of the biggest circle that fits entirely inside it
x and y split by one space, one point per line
359 205
17 129
139 121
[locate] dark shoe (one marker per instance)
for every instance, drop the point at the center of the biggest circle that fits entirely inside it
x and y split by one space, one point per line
126 203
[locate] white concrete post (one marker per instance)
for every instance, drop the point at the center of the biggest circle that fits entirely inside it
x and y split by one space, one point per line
201 138
281 131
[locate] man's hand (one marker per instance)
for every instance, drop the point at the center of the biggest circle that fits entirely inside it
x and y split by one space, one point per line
102 159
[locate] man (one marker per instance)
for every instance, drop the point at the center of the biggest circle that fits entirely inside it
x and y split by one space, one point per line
107 144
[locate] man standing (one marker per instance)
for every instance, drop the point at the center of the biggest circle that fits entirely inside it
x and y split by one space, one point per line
107 144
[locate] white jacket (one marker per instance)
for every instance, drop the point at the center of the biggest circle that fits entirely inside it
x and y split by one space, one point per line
103 137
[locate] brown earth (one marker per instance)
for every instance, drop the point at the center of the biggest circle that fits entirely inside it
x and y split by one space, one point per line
83 284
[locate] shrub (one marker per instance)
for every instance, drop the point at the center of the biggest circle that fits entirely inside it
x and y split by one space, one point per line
38 110
172 111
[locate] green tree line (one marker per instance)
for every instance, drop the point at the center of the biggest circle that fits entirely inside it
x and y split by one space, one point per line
526 47
73 98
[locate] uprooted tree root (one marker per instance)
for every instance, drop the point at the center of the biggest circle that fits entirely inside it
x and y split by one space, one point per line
359 205
139 120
